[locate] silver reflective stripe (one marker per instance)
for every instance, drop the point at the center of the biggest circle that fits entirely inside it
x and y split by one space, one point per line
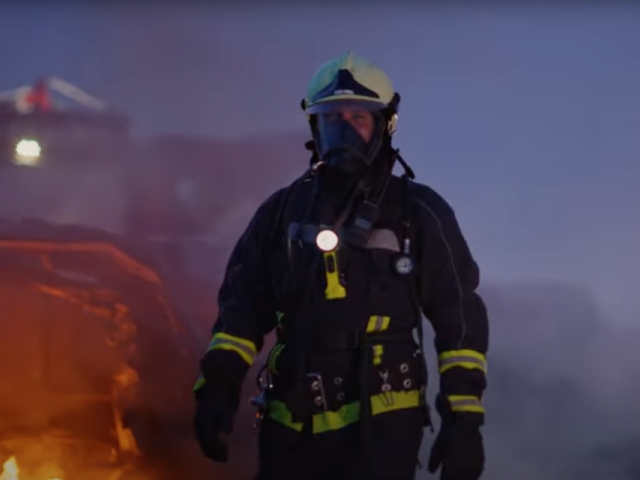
379 324
238 345
463 359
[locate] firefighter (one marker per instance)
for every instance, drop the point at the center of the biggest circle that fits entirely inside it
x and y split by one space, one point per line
342 264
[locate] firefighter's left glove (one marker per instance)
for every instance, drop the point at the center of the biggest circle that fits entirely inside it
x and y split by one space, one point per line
213 422
458 450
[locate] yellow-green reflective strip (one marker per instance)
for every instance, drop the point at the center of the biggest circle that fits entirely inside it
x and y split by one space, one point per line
329 421
378 323
199 383
465 403
347 414
469 359
390 401
377 351
280 413
245 348
273 357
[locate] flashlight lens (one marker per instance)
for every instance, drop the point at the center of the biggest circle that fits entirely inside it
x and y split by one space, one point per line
327 240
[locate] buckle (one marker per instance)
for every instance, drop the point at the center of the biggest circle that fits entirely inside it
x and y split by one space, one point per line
317 389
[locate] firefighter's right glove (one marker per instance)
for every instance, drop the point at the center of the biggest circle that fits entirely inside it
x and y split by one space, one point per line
217 402
458 450
213 422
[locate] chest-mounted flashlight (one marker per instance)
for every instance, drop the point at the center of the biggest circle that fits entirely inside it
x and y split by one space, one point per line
327 240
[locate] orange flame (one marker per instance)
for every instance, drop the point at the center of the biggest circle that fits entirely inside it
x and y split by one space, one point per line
10 470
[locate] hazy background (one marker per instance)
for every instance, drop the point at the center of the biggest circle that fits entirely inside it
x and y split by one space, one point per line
527 119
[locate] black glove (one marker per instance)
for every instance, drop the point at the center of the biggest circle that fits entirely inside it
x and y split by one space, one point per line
213 422
458 449
217 402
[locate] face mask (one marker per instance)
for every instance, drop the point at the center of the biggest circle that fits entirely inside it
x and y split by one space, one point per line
343 145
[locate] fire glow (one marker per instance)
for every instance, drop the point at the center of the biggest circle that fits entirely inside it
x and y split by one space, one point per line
10 470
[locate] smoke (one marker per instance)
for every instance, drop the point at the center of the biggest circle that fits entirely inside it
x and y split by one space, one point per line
561 381
171 67
94 196
562 384
561 372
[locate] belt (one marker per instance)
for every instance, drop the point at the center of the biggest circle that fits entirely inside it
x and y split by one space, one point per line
354 340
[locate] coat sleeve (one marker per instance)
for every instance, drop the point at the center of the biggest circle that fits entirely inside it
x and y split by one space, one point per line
448 282
246 309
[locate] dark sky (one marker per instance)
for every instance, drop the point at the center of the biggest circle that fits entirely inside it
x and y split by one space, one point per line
526 119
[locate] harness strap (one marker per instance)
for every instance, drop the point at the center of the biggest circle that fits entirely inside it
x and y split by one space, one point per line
413 286
354 340
357 340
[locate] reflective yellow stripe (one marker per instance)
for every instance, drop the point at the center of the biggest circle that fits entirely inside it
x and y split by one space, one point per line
378 323
334 288
273 357
245 348
469 359
223 341
280 413
199 383
465 403
347 414
378 350
391 401
329 421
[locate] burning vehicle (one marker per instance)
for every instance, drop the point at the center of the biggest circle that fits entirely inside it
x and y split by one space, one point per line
96 369
111 252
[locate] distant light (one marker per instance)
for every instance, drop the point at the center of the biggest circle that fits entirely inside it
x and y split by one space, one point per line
327 240
27 152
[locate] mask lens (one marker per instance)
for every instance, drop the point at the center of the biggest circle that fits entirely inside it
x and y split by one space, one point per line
348 134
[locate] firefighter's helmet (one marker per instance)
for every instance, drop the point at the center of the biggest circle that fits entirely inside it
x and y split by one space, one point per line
351 79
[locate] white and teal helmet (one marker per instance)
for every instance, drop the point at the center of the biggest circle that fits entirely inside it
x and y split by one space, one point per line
350 79
344 85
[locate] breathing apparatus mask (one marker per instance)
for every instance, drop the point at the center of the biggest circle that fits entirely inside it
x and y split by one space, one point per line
349 136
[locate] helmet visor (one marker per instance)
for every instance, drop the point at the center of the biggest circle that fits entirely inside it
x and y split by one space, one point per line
334 106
